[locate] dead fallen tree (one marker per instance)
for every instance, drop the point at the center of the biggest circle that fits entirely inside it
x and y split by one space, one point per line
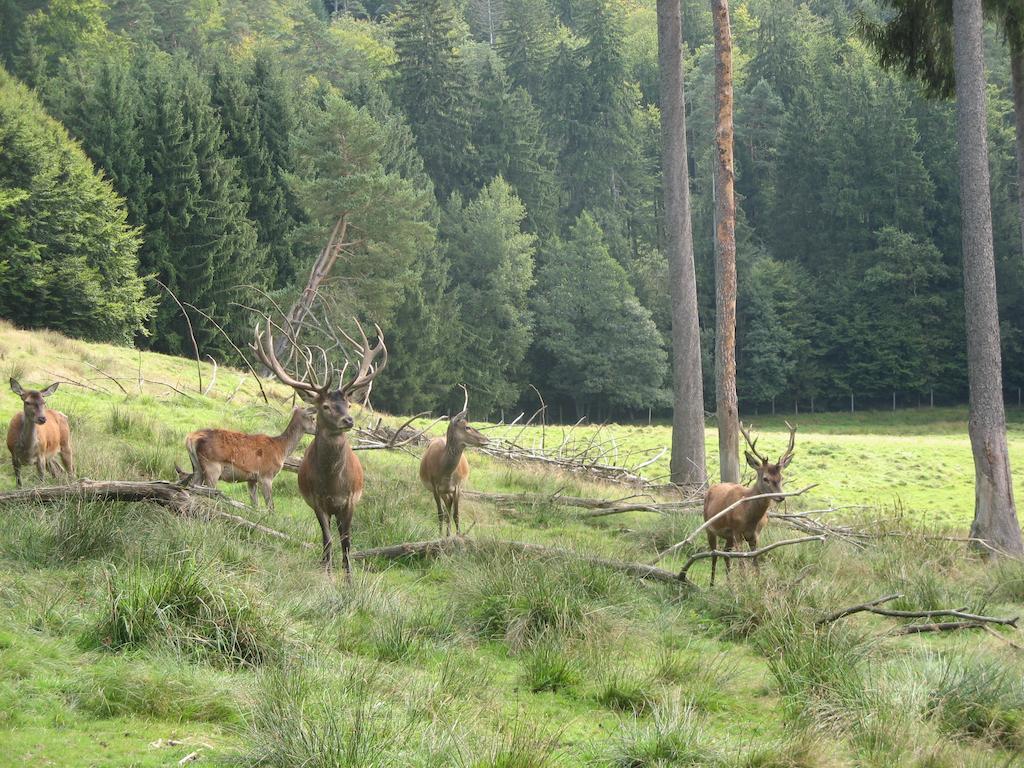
435 547
737 555
968 620
195 500
596 507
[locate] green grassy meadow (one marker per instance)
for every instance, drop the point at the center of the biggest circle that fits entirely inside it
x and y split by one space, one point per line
130 636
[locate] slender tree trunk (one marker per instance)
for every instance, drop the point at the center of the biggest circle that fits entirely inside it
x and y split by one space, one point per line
995 518
687 463
725 252
1017 70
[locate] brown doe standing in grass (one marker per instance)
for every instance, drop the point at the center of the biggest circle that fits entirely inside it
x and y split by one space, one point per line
38 434
444 468
748 518
330 475
237 457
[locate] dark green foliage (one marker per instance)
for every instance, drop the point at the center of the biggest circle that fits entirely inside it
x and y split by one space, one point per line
68 258
492 268
596 344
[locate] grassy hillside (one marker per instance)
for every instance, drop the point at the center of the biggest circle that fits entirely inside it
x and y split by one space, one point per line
131 636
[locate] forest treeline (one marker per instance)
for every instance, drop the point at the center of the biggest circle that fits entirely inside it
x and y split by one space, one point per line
497 164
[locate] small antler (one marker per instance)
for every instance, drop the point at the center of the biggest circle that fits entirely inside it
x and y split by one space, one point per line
787 457
465 403
367 370
752 443
263 346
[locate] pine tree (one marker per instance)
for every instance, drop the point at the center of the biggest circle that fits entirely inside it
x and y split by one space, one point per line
68 258
526 43
235 101
431 87
199 242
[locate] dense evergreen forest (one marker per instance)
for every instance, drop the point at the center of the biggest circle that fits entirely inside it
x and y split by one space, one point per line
497 166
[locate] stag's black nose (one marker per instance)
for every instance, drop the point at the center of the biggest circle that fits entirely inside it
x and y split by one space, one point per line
347 422
40 419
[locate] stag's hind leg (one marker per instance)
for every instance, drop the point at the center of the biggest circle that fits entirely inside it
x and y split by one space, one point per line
267 489
251 483
455 510
67 457
713 545
752 545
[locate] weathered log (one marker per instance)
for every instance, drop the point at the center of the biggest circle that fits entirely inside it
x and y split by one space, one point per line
734 554
946 626
597 507
872 607
442 546
178 498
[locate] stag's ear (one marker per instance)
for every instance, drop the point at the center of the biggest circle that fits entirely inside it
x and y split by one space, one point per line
50 389
306 397
16 387
752 460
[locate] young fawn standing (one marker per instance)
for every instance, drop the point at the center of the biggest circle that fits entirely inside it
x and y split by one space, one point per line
38 433
747 519
444 468
237 457
330 475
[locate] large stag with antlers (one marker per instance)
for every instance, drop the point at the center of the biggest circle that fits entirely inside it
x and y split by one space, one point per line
444 467
330 475
748 518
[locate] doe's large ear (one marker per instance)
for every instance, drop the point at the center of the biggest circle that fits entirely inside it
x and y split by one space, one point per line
50 389
16 387
752 460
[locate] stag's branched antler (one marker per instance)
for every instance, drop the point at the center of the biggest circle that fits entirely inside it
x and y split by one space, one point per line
263 346
465 403
752 443
787 456
367 369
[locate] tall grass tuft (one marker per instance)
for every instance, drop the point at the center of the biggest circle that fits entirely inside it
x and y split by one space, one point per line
549 666
521 600
672 736
320 722
195 609
521 746
980 698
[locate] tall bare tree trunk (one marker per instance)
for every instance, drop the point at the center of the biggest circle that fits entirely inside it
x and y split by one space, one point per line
725 251
1017 70
995 517
687 464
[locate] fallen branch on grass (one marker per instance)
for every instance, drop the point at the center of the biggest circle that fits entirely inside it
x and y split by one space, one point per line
177 498
456 544
945 626
734 554
956 613
598 507
689 539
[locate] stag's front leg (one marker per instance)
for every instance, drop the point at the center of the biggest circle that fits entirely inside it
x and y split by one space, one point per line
752 545
440 514
267 489
730 542
325 530
17 471
713 545
345 531
251 483
41 468
455 511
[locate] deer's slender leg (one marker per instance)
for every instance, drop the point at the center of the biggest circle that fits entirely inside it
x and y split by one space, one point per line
325 530
455 510
40 462
752 545
17 470
713 544
345 531
267 487
251 483
730 542
67 457
440 513
447 499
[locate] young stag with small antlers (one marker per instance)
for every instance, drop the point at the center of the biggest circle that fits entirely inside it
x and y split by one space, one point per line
330 475
237 457
444 467
38 434
748 518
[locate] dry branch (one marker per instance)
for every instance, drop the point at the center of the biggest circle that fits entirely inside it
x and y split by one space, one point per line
455 544
689 539
598 507
734 554
946 626
173 496
956 613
